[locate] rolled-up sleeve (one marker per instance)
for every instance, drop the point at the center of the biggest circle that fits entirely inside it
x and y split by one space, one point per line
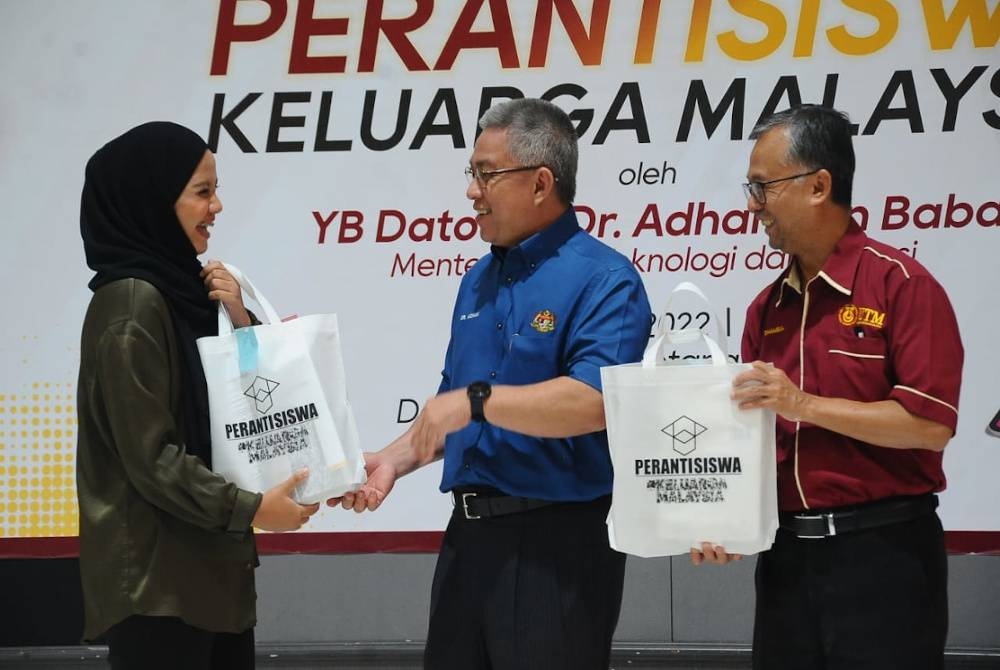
612 328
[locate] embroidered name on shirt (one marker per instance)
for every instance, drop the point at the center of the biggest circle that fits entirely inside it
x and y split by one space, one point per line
544 321
852 315
470 315
774 331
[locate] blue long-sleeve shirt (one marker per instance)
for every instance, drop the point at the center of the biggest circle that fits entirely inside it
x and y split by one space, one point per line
561 303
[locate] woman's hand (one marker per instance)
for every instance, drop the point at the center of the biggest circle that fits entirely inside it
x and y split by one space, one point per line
278 511
222 287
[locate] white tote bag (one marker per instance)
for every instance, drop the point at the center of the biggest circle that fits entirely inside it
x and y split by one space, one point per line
689 465
278 402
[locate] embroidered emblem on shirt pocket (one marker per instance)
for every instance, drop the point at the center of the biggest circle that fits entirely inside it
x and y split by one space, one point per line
544 321
852 315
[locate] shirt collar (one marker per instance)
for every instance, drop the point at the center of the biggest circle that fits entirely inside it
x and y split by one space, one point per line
840 268
544 243
789 278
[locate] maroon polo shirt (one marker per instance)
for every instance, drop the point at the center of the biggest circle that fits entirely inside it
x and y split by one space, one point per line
872 325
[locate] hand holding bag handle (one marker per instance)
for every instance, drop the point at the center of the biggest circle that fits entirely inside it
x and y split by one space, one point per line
248 289
718 347
246 340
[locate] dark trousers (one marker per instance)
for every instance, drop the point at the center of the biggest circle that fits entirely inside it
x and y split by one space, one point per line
167 643
873 599
536 590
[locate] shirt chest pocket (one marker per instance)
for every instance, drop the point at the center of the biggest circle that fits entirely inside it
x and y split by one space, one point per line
534 357
858 348
857 368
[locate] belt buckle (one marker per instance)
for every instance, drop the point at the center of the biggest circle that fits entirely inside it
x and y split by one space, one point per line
831 528
465 506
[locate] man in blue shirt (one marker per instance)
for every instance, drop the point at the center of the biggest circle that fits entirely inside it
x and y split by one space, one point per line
525 577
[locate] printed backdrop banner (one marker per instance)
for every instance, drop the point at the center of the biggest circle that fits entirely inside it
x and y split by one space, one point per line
341 130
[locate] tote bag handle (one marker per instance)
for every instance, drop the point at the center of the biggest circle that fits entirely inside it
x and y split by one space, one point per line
249 290
717 346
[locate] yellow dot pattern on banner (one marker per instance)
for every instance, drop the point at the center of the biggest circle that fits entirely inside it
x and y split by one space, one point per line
37 462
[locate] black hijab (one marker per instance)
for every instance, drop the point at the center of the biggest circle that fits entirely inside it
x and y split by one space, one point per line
130 229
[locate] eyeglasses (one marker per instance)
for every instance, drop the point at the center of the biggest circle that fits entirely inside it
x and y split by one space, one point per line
484 176
758 189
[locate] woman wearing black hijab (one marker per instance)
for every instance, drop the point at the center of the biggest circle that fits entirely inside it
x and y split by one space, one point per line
166 546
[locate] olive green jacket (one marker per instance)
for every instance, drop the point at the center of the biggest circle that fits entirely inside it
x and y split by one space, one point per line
160 534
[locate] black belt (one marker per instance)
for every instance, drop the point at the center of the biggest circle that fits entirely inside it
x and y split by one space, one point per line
837 521
478 504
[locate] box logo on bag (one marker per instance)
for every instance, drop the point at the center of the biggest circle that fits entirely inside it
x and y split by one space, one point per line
684 432
261 391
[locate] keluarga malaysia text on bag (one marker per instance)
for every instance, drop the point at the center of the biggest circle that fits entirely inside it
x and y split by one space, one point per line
278 402
689 465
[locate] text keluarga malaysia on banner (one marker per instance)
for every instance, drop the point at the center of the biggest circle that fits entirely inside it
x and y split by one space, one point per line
341 131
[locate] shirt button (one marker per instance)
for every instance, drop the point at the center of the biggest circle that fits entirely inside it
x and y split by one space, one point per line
499 326
509 280
493 375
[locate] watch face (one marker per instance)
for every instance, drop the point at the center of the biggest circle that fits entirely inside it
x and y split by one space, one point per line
479 390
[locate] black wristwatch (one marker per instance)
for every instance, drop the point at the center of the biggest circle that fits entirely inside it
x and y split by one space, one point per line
478 393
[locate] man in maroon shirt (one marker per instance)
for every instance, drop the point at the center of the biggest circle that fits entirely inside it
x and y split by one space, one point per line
856 348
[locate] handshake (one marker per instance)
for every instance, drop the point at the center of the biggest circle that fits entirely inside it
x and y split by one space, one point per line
339 472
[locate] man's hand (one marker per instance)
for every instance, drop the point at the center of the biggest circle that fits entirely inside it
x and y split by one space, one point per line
767 387
442 414
382 476
711 553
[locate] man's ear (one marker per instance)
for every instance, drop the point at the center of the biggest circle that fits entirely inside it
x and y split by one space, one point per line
822 186
544 184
